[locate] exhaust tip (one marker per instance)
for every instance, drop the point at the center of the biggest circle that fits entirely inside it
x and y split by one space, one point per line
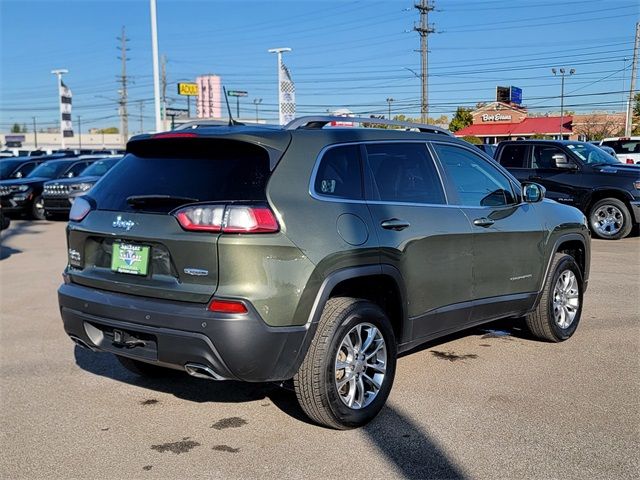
81 343
201 371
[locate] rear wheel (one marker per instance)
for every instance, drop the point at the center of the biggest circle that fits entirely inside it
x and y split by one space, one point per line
142 369
609 219
558 313
347 374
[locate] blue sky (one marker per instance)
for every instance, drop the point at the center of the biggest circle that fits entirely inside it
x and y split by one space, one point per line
347 53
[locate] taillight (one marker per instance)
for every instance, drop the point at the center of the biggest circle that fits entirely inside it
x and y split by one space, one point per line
227 306
630 161
79 209
227 219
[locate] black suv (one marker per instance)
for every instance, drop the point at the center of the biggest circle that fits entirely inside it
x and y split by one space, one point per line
24 195
582 175
313 254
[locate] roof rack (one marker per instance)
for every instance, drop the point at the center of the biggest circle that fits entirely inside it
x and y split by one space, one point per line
201 123
317 122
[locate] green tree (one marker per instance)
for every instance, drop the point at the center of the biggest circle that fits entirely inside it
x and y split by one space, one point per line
16 128
461 119
108 130
472 139
635 121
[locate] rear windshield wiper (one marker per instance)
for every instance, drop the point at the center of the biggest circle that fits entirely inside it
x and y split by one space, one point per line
146 200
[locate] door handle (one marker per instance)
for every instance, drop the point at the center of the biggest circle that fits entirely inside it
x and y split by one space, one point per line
483 222
394 224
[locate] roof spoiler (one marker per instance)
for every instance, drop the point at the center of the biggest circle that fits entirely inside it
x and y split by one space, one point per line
318 122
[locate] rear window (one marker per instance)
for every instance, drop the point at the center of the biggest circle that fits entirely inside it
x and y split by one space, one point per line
623 146
192 169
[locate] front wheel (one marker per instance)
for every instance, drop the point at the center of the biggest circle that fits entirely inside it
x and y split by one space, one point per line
610 219
558 312
347 374
37 209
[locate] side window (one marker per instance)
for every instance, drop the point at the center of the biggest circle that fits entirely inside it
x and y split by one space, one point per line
76 169
543 156
404 172
26 169
514 156
477 182
339 174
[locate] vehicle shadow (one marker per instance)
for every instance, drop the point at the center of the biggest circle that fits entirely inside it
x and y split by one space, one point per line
400 440
15 229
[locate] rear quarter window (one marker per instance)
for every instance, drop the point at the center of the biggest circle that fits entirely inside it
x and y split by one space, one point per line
339 174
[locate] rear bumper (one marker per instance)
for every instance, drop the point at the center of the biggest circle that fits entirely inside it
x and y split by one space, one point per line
235 347
635 211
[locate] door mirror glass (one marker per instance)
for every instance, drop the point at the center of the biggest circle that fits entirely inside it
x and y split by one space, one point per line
560 160
18 175
532 192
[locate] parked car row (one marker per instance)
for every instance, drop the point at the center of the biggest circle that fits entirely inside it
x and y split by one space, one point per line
28 183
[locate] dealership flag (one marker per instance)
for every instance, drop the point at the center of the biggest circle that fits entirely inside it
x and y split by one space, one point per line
65 111
287 95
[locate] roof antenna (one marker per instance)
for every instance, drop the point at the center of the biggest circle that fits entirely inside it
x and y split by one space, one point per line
232 122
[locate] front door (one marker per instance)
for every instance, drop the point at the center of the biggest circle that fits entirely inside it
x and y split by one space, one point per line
507 234
422 236
562 184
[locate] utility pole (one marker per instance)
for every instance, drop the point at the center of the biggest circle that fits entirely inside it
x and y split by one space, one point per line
35 132
389 100
58 73
124 116
163 87
424 29
634 67
156 76
79 132
562 75
141 103
256 102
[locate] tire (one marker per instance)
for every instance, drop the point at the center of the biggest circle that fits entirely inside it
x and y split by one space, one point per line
316 382
142 369
610 219
548 322
37 209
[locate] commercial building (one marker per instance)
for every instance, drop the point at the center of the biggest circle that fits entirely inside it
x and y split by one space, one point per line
497 121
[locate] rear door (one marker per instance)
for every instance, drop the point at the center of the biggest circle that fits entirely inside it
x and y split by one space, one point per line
507 234
132 220
428 241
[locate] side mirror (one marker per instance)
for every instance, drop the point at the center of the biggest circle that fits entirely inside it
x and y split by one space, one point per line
532 192
70 175
18 175
560 161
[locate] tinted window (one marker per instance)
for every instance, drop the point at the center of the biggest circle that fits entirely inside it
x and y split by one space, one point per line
477 182
514 156
76 169
623 146
8 166
404 172
99 168
203 170
50 169
339 174
592 155
543 156
26 169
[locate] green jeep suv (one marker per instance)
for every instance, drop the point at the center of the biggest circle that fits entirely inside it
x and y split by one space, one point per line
314 254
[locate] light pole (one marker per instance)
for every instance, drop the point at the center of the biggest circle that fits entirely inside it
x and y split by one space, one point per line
256 102
58 73
79 132
389 100
279 51
156 69
562 72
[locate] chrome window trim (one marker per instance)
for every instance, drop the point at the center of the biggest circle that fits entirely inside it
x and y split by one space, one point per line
516 186
328 198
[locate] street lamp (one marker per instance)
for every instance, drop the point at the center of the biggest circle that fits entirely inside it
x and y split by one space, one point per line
562 72
256 102
389 100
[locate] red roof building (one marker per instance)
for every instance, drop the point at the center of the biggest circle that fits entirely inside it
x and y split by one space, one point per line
502 121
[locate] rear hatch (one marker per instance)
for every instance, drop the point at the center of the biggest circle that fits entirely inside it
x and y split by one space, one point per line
131 241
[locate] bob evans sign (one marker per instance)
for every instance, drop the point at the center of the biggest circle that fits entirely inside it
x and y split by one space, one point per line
498 117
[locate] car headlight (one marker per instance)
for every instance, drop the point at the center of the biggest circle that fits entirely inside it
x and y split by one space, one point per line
81 187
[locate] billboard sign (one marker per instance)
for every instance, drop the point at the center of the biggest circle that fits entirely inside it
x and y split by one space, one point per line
509 95
516 95
237 93
188 89
176 112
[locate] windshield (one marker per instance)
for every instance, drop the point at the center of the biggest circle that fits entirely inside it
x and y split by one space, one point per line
99 168
592 155
623 146
51 169
8 166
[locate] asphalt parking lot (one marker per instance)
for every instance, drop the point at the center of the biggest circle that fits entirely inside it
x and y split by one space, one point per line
490 403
